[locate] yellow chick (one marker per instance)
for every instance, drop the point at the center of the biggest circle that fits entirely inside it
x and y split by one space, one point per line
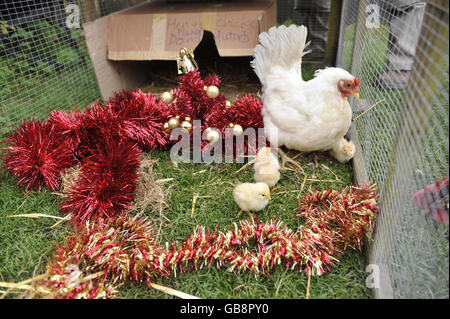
267 167
344 152
251 196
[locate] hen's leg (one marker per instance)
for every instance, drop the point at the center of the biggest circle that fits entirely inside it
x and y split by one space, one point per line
316 163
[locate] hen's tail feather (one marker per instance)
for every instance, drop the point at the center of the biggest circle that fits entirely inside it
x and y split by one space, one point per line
280 46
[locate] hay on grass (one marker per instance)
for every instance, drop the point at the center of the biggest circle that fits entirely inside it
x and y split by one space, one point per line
150 192
69 178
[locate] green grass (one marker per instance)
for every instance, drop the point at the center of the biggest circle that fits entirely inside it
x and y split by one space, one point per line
27 243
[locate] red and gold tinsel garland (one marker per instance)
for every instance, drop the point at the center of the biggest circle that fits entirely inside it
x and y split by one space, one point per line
124 247
352 210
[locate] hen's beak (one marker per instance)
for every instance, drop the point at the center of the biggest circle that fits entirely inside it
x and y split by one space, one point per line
355 94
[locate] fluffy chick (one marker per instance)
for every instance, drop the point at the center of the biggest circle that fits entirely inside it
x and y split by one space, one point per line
251 196
344 151
267 167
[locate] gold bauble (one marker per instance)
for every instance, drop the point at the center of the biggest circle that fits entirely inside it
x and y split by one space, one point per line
237 130
183 51
205 87
212 91
228 104
187 118
167 97
167 127
231 125
212 136
186 125
174 122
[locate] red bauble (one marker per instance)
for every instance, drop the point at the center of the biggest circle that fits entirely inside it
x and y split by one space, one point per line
36 154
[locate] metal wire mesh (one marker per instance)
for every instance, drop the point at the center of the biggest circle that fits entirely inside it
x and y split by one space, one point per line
44 64
401 58
315 16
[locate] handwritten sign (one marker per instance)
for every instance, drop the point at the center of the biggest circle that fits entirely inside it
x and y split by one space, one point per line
235 30
183 30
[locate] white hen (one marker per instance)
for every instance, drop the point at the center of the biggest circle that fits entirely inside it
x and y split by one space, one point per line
309 115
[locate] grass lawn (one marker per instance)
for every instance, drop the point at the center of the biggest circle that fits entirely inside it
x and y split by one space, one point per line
27 243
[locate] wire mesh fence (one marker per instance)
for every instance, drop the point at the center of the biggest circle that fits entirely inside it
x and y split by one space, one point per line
399 50
315 15
44 63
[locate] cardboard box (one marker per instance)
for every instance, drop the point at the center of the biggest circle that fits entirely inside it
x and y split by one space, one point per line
120 42
112 76
157 30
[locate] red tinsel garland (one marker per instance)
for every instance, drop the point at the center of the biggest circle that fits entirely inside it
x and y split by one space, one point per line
39 151
107 182
71 127
247 112
141 118
36 154
124 247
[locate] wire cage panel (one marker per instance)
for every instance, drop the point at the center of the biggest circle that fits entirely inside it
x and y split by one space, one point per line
399 50
44 63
